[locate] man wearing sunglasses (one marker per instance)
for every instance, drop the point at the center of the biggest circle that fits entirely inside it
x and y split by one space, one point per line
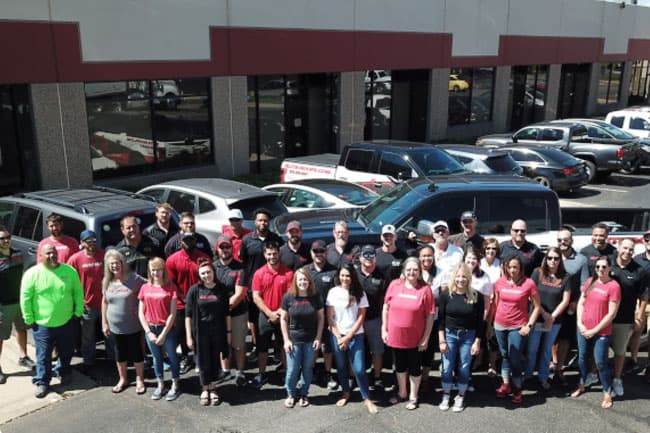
469 235
599 245
447 255
89 264
529 253
11 271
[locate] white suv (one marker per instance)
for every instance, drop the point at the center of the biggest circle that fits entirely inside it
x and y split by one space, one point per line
635 120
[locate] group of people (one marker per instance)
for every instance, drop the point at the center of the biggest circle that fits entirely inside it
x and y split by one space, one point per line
166 291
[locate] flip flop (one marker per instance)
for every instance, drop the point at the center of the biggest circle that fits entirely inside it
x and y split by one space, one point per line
119 388
204 399
215 399
412 405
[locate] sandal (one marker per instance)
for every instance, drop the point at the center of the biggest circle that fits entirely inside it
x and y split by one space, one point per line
214 398
578 392
371 407
607 401
205 398
140 389
290 402
396 399
304 402
412 405
119 388
343 400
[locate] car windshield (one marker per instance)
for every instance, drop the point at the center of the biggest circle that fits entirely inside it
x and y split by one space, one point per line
352 194
110 229
558 157
389 207
502 163
433 162
249 205
617 132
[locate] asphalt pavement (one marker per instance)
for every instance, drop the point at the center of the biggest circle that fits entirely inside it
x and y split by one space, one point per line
616 190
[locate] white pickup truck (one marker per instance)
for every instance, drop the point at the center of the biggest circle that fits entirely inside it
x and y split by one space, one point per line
378 165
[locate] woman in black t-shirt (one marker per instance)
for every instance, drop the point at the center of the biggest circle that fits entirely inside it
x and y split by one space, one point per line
208 326
301 321
554 288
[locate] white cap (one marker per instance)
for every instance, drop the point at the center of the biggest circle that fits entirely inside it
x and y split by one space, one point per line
388 228
235 214
440 223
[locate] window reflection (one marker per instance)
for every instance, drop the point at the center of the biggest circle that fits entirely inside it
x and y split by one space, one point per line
471 91
639 83
609 82
528 94
378 97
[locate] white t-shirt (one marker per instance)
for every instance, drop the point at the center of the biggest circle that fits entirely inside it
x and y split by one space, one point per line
446 261
483 284
493 270
345 315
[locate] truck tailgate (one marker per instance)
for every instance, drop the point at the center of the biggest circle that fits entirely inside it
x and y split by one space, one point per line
321 166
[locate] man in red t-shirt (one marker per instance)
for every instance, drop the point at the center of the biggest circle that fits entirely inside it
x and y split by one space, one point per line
65 245
236 231
89 263
270 283
182 270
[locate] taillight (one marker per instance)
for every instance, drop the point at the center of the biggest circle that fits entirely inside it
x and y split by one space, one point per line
568 171
620 152
282 174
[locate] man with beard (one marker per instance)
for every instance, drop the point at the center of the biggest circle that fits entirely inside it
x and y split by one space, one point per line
163 229
294 254
469 234
188 225
529 253
599 246
228 272
182 270
389 255
50 296
137 249
235 230
89 264
269 284
65 245
341 251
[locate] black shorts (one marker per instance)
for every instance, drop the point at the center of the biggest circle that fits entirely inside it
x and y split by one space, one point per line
128 347
408 360
430 353
265 332
326 341
568 329
253 312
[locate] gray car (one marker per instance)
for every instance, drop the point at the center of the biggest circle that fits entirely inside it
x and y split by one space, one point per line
210 200
97 208
483 160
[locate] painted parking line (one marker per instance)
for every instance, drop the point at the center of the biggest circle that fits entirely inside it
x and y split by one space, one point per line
574 203
602 188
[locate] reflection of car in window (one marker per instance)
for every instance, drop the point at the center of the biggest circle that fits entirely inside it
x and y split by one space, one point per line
456 84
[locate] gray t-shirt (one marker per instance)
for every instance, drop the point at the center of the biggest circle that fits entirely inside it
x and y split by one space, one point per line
122 308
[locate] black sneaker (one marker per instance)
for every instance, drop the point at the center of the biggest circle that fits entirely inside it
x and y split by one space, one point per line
371 383
41 391
259 381
3 378
186 366
332 383
379 385
26 362
240 379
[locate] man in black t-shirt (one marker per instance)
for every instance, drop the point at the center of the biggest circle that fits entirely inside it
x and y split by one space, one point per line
468 235
294 254
188 225
529 253
389 256
163 229
228 272
136 248
644 260
599 246
341 251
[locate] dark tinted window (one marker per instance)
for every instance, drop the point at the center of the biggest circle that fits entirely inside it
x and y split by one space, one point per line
156 193
110 230
524 156
549 134
558 156
359 159
618 121
392 164
435 161
527 134
205 205
505 208
248 206
390 206
28 224
306 199
639 124
181 201
446 207
352 194
471 92
73 227
502 164
6 209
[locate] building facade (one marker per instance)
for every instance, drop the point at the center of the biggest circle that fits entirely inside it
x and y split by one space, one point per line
129 93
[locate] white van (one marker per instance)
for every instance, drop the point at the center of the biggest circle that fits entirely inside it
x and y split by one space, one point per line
635 120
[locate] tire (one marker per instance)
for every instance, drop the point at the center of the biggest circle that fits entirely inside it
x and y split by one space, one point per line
543 181
630 167
591 170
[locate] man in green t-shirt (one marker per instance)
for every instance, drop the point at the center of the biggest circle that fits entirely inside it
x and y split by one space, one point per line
50 295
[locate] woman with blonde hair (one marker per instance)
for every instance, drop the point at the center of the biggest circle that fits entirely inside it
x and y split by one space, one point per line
301 321
157 313
120 289
461 316
407 319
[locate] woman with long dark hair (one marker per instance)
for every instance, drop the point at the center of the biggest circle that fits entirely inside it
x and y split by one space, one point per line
597 307
554 288
346 310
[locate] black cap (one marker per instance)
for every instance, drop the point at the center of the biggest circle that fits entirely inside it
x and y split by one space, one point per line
318 244
368 252
468 215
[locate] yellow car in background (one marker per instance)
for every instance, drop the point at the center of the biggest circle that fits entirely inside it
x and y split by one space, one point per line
456 84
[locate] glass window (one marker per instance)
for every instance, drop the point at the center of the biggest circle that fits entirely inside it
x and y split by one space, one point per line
270 202
156 193
28 224
136 125
305 199
378 94
639 83
392 164
72 227
506 208
549 134
639 124
359 159
471 91
618 121
527 134
609 82
351 193
524 155
206 205
181 201
6 210
445 208
110 230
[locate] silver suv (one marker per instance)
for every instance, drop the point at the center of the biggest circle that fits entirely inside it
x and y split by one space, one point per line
96 208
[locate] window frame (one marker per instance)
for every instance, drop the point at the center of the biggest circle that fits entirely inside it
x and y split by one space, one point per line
473 79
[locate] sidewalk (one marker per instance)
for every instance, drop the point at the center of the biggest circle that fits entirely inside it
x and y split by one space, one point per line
17 395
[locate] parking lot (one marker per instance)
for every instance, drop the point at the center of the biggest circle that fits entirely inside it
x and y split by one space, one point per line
617 190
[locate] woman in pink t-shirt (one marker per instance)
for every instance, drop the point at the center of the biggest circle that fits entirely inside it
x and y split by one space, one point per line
513 294
407 319
596 310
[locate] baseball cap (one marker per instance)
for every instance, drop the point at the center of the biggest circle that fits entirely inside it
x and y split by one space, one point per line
294 225
223 239
318 245
188 235
440 223
388 228
235 214
468 215
87 234
368 252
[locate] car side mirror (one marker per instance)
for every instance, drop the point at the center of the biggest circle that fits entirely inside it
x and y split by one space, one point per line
514 139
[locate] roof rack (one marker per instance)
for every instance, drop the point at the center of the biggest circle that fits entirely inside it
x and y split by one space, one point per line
32 196
123 192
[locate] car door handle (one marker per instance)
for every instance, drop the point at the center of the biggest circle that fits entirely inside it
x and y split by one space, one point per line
31 251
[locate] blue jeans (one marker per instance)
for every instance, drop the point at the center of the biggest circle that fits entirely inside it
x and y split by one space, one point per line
600 348
511 347
355 354
541 340
458 358
158 352
45 340
89 322
301 358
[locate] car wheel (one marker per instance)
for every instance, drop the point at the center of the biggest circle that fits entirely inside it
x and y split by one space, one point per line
630 166
543 181
590 167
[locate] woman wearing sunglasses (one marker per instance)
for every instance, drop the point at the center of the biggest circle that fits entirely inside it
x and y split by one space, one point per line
554 288
597 308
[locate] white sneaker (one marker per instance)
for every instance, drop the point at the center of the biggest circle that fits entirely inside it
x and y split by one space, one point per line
459 404
592 379
444 404
617 388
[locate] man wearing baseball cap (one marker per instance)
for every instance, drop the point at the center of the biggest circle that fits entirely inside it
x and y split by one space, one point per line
89 264
447 255
469 235
235 230
389 255
294 254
